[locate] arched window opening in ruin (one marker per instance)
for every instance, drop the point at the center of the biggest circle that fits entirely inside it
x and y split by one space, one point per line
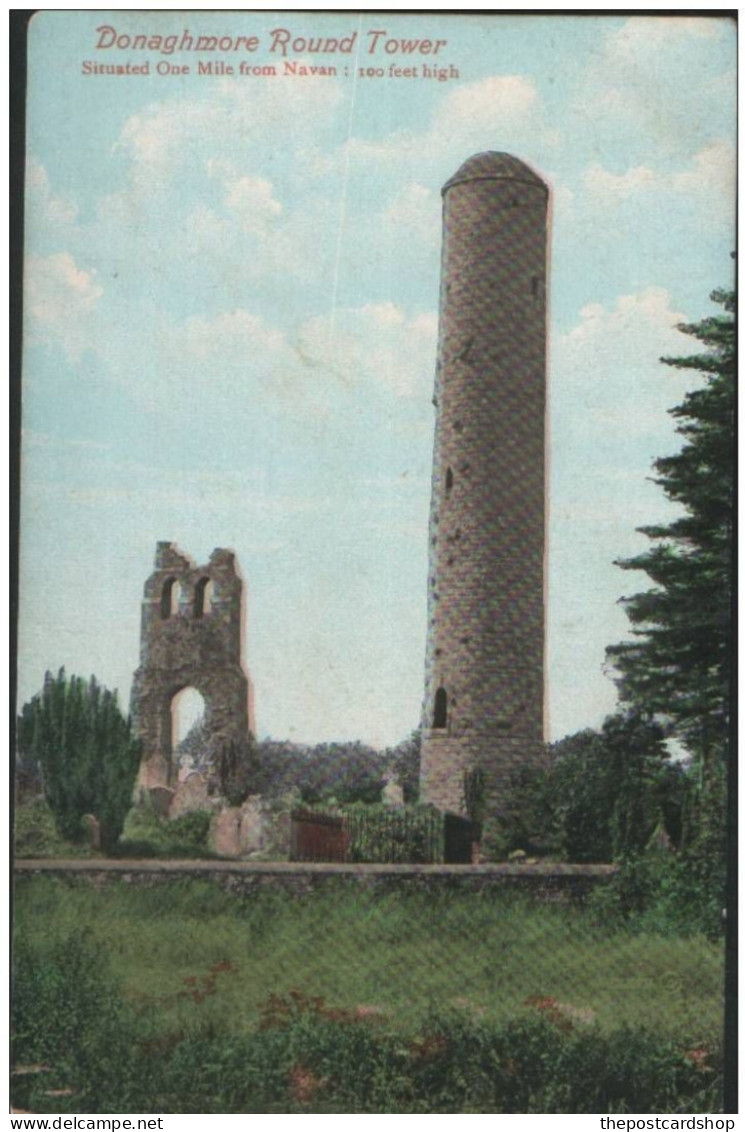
440 719
534 286
449 480
169 598
203 597
189 736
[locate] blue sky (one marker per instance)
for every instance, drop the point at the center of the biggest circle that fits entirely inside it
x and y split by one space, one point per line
231 320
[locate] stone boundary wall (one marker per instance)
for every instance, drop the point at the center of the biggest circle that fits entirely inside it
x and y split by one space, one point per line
546 882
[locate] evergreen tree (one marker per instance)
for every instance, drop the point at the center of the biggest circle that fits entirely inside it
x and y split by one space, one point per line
404 759
608 789
87 754
678 667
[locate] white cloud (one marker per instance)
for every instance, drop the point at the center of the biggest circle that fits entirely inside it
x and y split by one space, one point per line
47 213
60 298
169 134
415 209
604 184
620 336
488 105
378 349
500 111
711 172
232 337
378 345
251 200
656 88
647 34
609 392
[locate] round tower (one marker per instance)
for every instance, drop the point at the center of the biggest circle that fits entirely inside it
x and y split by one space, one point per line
483 705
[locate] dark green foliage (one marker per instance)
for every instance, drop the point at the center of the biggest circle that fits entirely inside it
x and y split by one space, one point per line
664 893
308 1057
599 796
28 780
87 754
678 666
35 834
345 772
67 1013
404 759
192 828
146 834
236 770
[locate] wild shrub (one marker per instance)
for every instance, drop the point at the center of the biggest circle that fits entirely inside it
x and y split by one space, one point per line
665 893
67 1014
192 829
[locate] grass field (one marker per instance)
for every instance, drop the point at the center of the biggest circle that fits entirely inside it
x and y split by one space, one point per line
182 997
403 954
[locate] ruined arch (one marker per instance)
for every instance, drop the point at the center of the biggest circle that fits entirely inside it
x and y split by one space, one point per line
192 650
188 707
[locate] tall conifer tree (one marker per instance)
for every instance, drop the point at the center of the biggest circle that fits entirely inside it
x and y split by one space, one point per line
678 666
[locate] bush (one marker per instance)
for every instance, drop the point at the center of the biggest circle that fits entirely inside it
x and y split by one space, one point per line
308 1057
146 834
88 756
35 834
67 1014
666 893
193 828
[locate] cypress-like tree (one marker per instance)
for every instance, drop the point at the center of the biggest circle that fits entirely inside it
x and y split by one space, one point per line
678 667
87 754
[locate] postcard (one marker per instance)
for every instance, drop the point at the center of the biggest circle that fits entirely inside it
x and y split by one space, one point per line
375 636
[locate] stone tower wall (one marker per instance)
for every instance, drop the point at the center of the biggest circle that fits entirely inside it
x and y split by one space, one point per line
483 706
189 642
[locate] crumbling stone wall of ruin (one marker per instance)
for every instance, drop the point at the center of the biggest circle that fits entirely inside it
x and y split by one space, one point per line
191 636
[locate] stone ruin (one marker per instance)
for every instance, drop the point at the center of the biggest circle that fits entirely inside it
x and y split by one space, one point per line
192 629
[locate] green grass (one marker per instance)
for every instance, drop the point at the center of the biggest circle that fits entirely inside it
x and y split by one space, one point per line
404 953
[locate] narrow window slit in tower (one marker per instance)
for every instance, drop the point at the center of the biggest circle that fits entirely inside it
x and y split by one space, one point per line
534 286
168 599
440 718
449 480
203 597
